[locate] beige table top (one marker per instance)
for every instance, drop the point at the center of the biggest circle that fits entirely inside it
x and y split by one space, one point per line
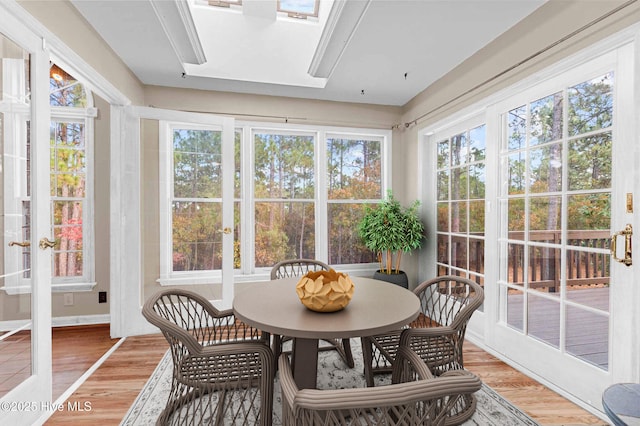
376 307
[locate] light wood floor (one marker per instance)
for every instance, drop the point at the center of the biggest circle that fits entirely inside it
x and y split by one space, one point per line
111 390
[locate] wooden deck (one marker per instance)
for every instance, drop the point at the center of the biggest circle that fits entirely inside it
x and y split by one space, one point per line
587 333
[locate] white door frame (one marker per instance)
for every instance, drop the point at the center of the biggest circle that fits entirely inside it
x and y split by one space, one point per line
36 391
126 238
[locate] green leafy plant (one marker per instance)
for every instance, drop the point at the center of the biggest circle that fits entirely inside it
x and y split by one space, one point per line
389 229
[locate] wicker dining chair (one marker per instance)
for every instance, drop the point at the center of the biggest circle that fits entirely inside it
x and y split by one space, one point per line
223 371
297 268
415 397
437 335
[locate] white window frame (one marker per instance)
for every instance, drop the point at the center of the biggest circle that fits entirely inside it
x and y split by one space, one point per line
86 116
13 129
167 275
248 272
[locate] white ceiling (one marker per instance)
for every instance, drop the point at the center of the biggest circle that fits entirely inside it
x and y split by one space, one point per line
392 49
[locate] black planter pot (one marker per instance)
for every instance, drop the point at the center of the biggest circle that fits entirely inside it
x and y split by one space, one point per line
399 279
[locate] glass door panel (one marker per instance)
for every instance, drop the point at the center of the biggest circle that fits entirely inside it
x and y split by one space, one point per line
15 250
554 236
25 269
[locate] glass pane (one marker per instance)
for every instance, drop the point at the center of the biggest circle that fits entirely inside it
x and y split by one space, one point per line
516 218
197 244
543 320
476 255
443 249
443 154
68 234
544 219
546 119
237 254
237 181
544 270
589 219
64 89
590 162
459 184
477 180
476 218
15 209
515 264
354 169
515 307
345 244
516 128
196 163
459 150
442 270
546 169
459 252
284 166
591 105
587 336
588 278
67 264
284 230
443 217
299 7
477 144
68 185
517 164
443 185
459 217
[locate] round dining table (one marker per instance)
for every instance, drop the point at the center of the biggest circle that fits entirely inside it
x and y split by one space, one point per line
376 307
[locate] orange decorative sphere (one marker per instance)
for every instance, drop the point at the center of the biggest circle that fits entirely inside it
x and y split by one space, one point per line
325 291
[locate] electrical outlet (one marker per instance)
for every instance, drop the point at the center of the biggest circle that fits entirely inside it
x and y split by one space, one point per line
68 299
102 297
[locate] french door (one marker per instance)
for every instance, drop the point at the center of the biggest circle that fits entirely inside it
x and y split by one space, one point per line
195 201
25 255
562 297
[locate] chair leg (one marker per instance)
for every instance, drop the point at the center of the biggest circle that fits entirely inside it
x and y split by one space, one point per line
367 359
348 355
277 349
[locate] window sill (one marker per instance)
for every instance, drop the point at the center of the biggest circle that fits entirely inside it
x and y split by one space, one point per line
261 274
55 288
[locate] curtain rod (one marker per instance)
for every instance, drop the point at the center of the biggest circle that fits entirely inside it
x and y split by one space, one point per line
518 64
286 119
237 114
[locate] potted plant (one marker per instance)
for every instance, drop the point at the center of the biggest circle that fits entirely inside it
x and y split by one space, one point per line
391 230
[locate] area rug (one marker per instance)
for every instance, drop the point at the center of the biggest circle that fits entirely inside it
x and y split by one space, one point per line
492 409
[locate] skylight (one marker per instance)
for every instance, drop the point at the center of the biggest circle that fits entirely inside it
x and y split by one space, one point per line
299 8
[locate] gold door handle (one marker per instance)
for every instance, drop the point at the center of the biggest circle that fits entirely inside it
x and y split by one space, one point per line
45 243
627 232
18 243
226 230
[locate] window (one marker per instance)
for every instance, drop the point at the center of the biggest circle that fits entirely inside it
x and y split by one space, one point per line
224 3
284 191
299 8
461 184
196 210
354 179
299 183
71 140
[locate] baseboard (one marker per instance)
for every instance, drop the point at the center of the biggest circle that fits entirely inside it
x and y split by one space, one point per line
80 320
6 326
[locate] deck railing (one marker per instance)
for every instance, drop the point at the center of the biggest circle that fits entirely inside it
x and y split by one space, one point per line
584 268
